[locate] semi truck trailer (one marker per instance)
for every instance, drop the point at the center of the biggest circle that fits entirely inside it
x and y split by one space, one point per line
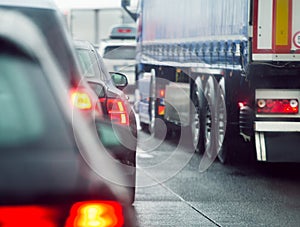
228 70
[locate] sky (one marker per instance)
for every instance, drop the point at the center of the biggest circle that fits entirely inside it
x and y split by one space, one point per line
67 4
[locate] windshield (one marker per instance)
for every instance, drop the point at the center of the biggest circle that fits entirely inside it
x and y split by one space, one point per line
120 52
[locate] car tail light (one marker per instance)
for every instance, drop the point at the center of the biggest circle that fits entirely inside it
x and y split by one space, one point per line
277 106
96 214
23 216
81 99
117 111
124 30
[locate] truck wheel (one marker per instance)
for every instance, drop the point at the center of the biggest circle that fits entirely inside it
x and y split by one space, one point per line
212 119
195 121
224 146
223 154
205 123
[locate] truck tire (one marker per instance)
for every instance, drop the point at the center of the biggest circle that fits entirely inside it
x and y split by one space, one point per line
205 105
212 120
225 148
195 129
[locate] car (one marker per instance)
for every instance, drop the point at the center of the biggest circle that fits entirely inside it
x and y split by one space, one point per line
49 19
119 54
52 166
115 105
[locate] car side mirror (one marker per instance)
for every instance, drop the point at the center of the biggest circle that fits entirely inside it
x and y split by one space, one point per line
119 79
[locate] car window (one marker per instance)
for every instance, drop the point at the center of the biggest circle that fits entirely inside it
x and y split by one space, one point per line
87 63
54 30
29 116
120 52
103 69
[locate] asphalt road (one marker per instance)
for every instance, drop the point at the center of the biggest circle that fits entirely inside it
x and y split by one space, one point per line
173 192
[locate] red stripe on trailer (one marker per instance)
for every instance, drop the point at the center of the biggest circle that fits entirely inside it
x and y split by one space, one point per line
275 48
255 31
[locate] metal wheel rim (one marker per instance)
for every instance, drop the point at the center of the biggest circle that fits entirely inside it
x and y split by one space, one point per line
195 127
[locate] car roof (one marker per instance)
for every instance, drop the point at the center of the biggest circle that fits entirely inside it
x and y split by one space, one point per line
45 4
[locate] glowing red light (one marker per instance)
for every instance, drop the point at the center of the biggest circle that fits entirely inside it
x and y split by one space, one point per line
80 99
241 104
162 93
161 110
96 214
117 111
25 216
278 106
124 30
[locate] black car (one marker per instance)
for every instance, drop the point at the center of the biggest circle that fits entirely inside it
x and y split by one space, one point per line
115 106
52 164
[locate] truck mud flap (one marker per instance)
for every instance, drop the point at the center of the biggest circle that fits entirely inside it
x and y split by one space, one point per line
277 146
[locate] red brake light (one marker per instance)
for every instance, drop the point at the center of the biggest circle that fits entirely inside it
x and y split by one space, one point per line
277 106
34 216
96 214
81 99
124 30
117 111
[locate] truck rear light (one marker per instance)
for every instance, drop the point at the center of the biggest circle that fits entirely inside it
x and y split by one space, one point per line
277 106
117 111
161 93
96 214
241 104
81 99
33 216
161 110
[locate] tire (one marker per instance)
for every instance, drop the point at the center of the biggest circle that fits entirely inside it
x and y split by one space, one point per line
225 140
205 104
212 120
195 120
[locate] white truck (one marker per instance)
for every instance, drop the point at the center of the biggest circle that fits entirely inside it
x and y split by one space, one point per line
95 24
238 61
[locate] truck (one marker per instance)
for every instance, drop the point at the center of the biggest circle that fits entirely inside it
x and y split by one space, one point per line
95 23
227 70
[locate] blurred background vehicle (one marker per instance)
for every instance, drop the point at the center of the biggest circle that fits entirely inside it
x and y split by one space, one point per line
95 23
119 52
52 165
115 105
52 25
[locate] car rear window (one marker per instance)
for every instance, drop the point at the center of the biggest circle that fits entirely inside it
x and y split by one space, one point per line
29 116
54 29
120 52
